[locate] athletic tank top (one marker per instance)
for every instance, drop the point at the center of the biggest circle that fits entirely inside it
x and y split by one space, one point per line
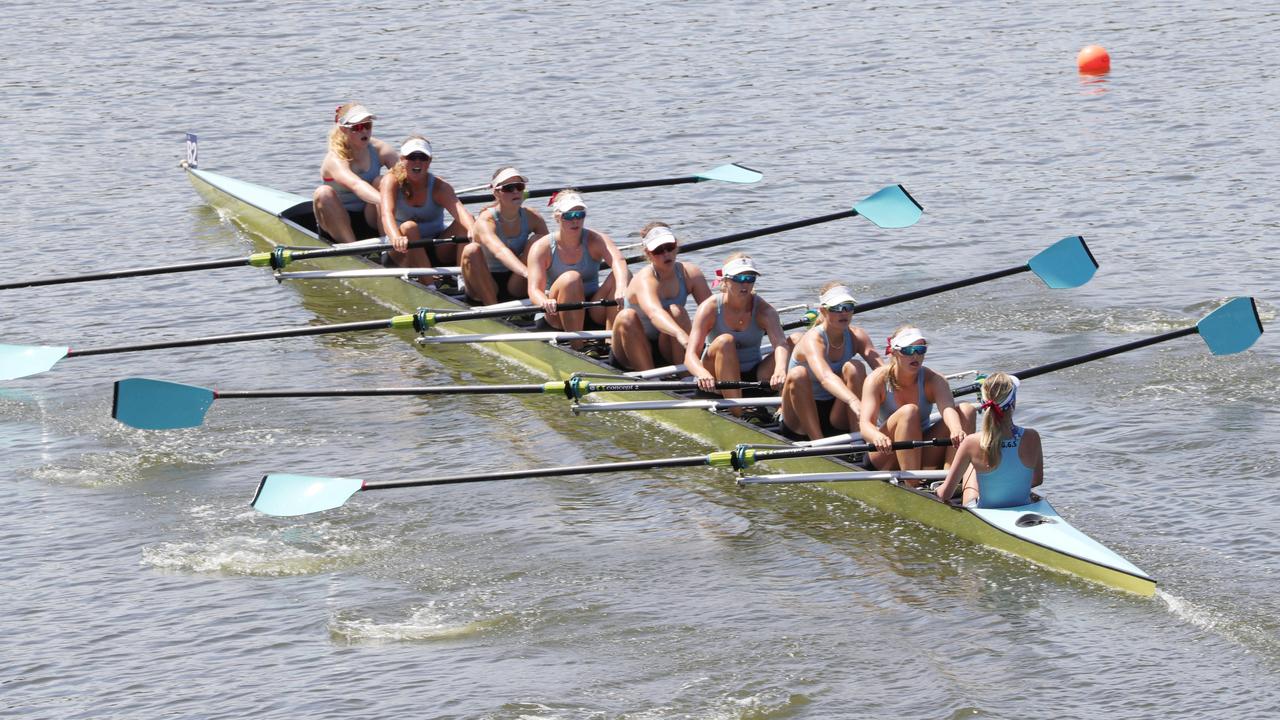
746 341
890 404
350 200
680 297
516 243
587 266
429 215
837 366
1009 485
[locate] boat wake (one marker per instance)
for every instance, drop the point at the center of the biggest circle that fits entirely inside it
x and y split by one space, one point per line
1255 638
424 624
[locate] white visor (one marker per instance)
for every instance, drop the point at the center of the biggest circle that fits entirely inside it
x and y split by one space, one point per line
506 175
355 115
658 237
567 201
413 145
739 265
907 337
836 296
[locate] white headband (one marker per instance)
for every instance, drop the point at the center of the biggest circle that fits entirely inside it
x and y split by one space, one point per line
355 115
905 338
836 296
566 201
739 265
413 145
508 173
657 237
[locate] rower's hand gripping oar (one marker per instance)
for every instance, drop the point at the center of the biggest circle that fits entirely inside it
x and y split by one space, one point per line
284 495
889 207
18 361
275 259
731 173
1232 328
160 405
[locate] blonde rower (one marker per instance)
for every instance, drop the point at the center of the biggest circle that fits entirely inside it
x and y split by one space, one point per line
728 328
654 326
1002 463
413 205
822 394
564 267
346 205
897 401
493 265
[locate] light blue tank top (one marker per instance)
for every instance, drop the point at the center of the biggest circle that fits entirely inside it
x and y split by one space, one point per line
350 200
680 297
429 215
746 341
890 404
837 366
587 266
516 243
1009 485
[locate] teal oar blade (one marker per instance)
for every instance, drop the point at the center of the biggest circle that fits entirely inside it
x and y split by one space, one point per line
17 361
285 495
733 173
1232 328
890 207
160 405
1065 264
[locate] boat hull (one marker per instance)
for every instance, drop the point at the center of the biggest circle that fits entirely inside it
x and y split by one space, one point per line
275 218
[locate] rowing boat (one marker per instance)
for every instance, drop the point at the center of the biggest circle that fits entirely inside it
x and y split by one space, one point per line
1035 532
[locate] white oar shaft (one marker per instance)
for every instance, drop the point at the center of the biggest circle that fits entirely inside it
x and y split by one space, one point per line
557 337
852 437
884 475
707 404
666 370
371 273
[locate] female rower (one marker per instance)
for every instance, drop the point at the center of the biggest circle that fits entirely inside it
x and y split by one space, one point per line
824 397
727 329
1001 464
493 266
897 401
655 324
346 205
413 205
564 267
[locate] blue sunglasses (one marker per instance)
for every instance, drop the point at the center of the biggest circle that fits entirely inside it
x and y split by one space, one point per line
841 308
574 214
914 350
745 278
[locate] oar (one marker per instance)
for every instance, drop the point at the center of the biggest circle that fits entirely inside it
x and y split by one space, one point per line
18 361
1234 327
276 259
286 494
889 207
732 173
160 405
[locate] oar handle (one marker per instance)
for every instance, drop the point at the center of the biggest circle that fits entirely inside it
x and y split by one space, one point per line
400 320
132 272
1081 359
690 461
747 235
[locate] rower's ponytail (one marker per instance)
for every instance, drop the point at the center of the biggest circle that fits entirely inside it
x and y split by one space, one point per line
997 423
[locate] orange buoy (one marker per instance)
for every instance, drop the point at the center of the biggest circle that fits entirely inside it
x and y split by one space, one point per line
1093 60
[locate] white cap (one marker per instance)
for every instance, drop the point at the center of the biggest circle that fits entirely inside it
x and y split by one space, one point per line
739 265
567 200
506 175
355 115
413 145
835 296
657 237
906 337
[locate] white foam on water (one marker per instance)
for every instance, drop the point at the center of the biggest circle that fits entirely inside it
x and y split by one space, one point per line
423 624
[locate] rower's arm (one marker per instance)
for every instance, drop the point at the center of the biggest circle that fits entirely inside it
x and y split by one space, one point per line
617 264
485 232
869 416
341 172
446 198
387 208
646 287
703 320
866 348
537 266
959 464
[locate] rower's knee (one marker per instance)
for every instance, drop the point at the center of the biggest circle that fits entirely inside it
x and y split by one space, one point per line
721 343
626 321
968 416
324 195
798 374
909 413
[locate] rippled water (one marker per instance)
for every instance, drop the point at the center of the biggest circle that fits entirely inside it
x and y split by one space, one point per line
139 583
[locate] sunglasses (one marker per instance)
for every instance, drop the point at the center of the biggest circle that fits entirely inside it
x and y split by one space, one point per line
574 214
841 308
418 156
664 249
914 350
512 187
365 126
744 278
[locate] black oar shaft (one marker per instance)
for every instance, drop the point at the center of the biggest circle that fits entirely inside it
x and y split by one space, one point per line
936 289
690 461
380 392
747 235
237 337
1081 359
598 187
131 272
